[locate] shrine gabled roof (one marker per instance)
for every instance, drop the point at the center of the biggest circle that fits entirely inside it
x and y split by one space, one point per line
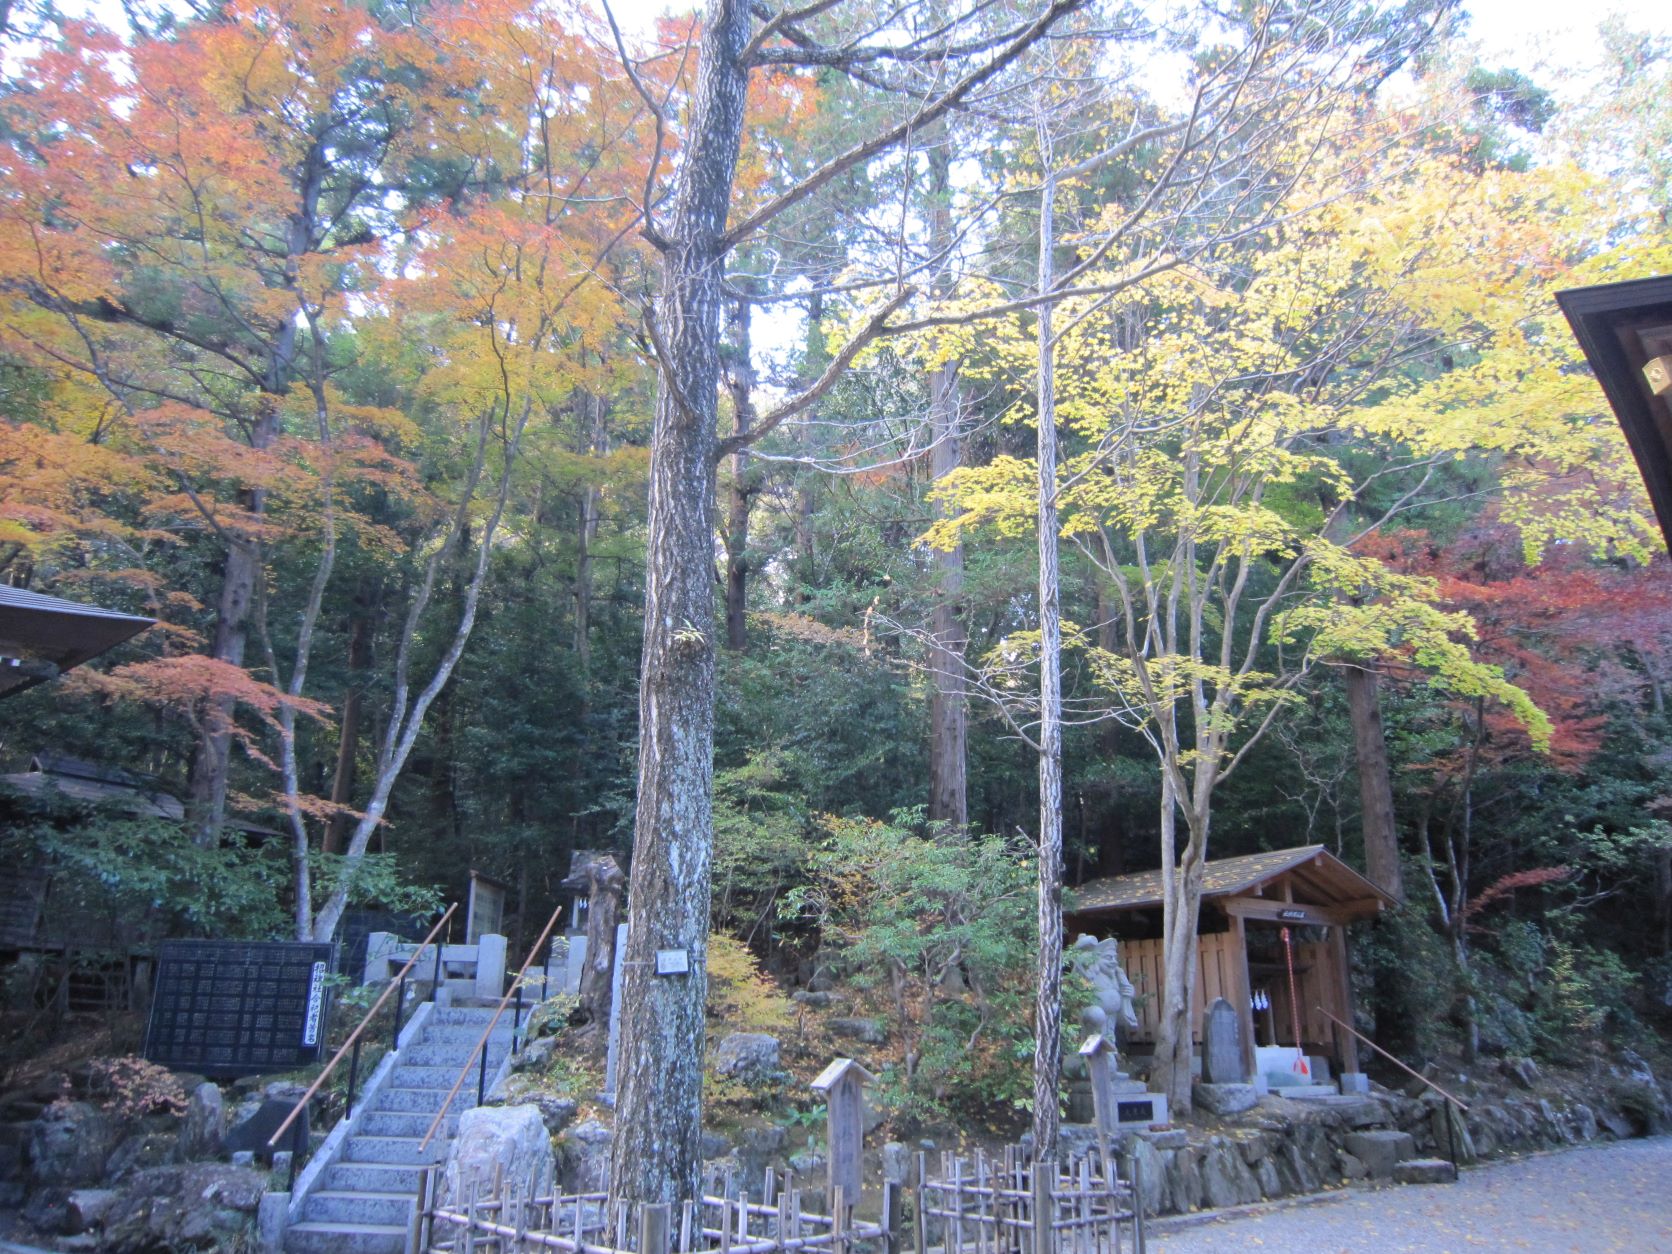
1330 880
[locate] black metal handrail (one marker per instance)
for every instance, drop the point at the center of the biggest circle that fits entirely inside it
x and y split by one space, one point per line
352 1044
481 1050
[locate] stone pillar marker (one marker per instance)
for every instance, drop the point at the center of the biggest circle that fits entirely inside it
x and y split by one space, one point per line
490 967
1222 1045
842 1085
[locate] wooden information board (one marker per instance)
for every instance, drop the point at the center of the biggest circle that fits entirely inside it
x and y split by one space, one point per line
230 1008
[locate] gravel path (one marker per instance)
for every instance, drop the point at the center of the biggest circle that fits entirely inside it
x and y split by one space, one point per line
1599 1198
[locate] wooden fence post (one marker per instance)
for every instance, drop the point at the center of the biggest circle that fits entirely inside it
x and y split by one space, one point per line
1044 1212
891 1217
655 1227
843 1085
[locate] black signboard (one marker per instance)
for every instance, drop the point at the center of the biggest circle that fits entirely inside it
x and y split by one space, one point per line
228 1008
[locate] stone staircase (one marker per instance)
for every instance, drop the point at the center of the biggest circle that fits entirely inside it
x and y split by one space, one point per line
365 1200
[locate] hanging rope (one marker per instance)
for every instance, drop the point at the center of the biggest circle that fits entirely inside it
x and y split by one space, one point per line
1294 1002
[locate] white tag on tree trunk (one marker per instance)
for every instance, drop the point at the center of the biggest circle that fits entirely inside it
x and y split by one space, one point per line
673 962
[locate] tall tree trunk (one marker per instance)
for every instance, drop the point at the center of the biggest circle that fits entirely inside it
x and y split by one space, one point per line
1047 1049
212 760
598 443
656 1151
948 707
1181 913
348 732
1381 835
740 383
812 365
206 802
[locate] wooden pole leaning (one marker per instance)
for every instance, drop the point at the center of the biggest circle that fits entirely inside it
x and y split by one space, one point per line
355 1035
492 1023
1384 1053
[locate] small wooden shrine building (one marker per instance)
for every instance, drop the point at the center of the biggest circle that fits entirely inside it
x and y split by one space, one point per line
1248 905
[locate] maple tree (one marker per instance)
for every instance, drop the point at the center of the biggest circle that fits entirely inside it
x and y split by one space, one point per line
1207 490
296 184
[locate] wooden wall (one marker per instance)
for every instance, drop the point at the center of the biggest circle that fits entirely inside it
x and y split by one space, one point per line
1216 976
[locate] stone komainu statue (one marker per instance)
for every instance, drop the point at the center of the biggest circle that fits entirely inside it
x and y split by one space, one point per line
1113 997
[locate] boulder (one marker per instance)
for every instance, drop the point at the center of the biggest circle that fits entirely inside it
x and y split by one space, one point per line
806 1163
865 1031
1451 1133
1225 1099
713 1146
505 1141
758 1148
86 1208
1226 1179
1184 1180
253 1128
586 1157
69 1144
204 1132
1382 1150
818 999
750 1056
1425 1171
536 1055
557 1113
896 1163
1150 1167
1352 1166
1522 1071
194 1206
140 1151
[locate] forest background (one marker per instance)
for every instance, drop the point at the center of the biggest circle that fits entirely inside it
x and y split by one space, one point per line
327 339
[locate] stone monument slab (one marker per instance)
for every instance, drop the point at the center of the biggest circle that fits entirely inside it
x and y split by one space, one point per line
1222 1044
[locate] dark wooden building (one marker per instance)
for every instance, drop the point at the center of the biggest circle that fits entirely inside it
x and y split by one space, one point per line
1242 956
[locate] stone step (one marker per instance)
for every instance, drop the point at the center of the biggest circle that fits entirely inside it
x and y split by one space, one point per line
352 1177
451 1053
464 1016
317 1238
424 1101
397 1150
330 1206
1425 1171
412 1077
389 1123
467 1035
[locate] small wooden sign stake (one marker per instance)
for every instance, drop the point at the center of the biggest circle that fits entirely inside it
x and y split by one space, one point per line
1097 1051
843 1085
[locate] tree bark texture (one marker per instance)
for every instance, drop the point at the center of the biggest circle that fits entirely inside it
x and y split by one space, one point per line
1181 914
948 707
604 882
591 511
656 1151
212 760
1047 1049
740 383
1381 835
348 732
